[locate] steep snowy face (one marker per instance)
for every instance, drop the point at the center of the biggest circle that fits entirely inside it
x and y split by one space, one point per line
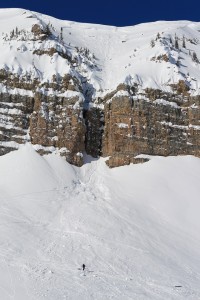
118 92
154 55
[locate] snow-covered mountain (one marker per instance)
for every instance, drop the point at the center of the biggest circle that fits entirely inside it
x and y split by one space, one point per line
146 54
130 95
118 92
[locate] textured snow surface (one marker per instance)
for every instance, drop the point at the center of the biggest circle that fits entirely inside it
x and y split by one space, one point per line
135 227
120 54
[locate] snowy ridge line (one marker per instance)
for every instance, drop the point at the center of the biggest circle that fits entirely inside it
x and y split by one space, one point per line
153 55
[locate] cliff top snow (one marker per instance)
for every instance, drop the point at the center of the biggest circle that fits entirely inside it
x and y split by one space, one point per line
154 55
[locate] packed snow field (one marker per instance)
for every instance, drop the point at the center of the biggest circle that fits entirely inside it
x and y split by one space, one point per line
136 228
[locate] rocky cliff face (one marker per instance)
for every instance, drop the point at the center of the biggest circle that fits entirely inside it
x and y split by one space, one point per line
47 122
128 125
15 111
136 124
57 123
63 97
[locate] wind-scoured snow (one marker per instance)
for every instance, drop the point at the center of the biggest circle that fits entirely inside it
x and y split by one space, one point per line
136 228
118 54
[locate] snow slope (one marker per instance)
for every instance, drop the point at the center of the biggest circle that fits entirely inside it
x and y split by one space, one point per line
120 54
135 227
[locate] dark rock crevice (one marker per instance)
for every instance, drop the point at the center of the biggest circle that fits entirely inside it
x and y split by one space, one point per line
94 122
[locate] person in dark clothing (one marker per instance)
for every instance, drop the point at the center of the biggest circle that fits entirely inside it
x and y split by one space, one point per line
83 266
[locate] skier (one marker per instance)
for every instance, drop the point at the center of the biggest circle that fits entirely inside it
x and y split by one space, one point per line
83 266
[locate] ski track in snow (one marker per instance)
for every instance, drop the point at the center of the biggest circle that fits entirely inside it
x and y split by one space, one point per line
93 215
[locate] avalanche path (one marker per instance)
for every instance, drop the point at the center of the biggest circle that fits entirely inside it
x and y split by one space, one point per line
136 228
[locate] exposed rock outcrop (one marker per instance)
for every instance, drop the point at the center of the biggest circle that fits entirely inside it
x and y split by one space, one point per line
15 111
130 124
57 122
150 125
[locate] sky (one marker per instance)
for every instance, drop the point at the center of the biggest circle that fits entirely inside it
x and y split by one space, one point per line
112 12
